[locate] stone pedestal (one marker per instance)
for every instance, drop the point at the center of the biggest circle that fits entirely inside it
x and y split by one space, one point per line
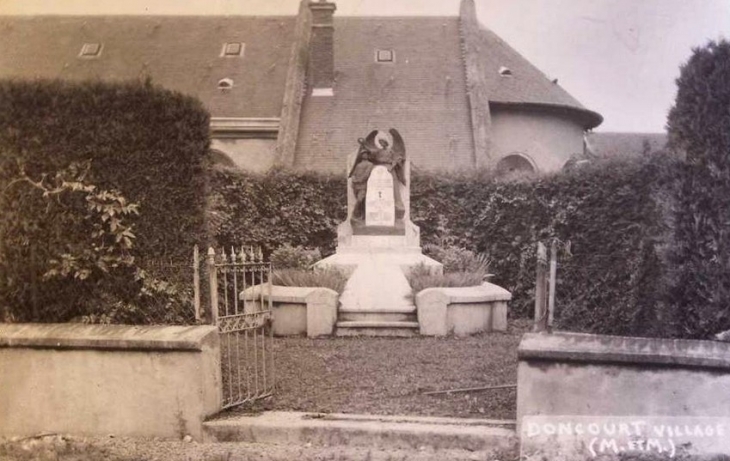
378 252
380 201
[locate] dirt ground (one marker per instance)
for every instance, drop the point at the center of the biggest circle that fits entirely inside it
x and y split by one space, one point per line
389 375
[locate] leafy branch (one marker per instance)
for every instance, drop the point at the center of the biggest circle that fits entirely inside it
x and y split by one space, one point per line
110 236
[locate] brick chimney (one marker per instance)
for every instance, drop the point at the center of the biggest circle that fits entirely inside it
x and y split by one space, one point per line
477 87
322 48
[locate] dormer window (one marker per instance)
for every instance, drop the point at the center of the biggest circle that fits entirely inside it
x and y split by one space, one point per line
384 55
505 71
90 50
225 84
232 49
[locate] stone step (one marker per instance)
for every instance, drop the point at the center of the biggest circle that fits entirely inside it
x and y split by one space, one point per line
484 439
377 286
379 241
377 316
376 328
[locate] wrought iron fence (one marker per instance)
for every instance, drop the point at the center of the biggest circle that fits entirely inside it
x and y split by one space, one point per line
173 293
241 308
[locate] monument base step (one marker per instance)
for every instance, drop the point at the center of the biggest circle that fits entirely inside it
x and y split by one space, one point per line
400 250
378 241
405 258
397 229
378 316
375 328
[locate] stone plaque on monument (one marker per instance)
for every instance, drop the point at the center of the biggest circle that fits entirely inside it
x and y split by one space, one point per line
379 201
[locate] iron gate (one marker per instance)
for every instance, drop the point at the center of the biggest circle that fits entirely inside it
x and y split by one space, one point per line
240 301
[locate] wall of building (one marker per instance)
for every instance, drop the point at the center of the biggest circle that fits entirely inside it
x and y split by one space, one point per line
422 94
595 375
108 379
257 155
548 139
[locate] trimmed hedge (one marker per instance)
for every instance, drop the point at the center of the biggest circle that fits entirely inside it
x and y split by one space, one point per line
612 220
148 143
276 209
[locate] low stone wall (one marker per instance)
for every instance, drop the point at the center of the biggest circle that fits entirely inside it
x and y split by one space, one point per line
310 311
151 381
462 311
595 375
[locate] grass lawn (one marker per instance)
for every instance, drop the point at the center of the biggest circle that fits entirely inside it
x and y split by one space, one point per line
389 375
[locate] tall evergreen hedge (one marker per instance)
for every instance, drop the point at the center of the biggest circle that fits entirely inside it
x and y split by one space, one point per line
147 143
699 126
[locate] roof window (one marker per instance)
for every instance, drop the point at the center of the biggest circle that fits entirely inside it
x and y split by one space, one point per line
385 56
232 49
505 71
90 50
225 84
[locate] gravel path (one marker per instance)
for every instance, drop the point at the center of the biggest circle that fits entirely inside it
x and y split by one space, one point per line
388 375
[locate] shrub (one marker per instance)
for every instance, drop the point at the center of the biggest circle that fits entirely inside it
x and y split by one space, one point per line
331 278
461 268
153 301
277 208
141 144
421 277
289 257
455 259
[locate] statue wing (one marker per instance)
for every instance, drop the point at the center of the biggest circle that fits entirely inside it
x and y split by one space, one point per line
399 155
369 143
399 147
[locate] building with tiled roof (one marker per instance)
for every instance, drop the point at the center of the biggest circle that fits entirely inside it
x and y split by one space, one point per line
616 145
299 91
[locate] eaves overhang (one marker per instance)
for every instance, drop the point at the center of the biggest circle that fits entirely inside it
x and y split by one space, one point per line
587 118
242 127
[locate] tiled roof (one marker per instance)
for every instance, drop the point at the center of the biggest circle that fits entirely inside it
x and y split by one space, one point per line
178 52
422 94
526 85
609 145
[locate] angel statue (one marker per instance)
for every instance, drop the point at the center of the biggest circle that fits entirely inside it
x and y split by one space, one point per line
368 156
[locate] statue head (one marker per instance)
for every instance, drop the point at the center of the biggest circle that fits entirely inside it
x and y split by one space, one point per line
383 143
